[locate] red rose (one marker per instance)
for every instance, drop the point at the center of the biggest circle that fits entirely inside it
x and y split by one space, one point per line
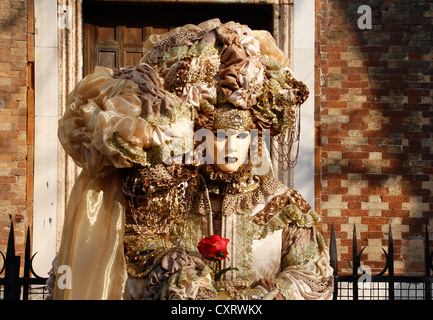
213 248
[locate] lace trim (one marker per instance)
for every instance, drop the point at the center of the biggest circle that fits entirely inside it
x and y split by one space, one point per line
240 290
221 176
285 288
176 39
326 283
301 254
206 294
301 219
239 203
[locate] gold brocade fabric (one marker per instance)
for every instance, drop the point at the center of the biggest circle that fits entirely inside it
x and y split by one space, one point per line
157 200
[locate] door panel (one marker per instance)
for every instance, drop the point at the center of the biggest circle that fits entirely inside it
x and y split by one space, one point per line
115 46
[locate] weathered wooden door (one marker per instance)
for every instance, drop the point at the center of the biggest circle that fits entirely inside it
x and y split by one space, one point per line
115 46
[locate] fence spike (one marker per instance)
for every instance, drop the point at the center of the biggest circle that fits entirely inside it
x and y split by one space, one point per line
27 257
354 252
333 258
390 253
427 256
10 251
390 263
355 261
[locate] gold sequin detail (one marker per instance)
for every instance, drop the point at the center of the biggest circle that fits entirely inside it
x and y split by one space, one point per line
128 150
231 118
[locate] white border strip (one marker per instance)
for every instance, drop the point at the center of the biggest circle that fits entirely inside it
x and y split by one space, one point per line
304 30
46 143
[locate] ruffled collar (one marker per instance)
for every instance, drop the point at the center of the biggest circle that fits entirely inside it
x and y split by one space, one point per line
221 182
217 175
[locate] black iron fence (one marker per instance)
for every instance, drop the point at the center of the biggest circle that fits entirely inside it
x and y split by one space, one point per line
360 285
14 287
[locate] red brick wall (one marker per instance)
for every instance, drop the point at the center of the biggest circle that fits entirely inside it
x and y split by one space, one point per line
16 156
374 108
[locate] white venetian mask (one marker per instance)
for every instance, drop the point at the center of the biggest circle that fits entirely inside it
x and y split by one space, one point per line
227 148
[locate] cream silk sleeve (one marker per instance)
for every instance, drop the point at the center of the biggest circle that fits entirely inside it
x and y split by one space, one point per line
91 249
306 273
299 263
97 108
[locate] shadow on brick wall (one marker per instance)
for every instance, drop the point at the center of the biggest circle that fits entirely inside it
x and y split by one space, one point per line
376 127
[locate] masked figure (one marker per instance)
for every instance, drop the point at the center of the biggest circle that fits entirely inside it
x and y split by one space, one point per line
175 150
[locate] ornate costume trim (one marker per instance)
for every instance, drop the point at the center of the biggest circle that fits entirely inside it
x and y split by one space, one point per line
301 219
293 205
142 253
286 289
235 119
211 173
326 283
239 291
301 254
132 152
185 285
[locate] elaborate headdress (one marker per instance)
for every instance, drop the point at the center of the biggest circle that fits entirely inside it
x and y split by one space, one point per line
210 75
234 77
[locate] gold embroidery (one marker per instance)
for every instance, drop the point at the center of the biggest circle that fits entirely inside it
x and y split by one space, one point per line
159 212
300 255
221 176
191 69
128 150
299 218
326 283
207 294
236 119
286 289
242 293
249 195
157 198
297 199
292 202
172 40
142 253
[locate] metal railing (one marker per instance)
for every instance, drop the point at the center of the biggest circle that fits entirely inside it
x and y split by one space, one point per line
363 286
11 284
358 286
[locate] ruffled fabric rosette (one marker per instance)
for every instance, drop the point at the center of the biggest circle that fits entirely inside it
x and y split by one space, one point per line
147 114
215 65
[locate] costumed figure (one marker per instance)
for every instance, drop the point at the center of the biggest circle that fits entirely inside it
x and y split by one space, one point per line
173 153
